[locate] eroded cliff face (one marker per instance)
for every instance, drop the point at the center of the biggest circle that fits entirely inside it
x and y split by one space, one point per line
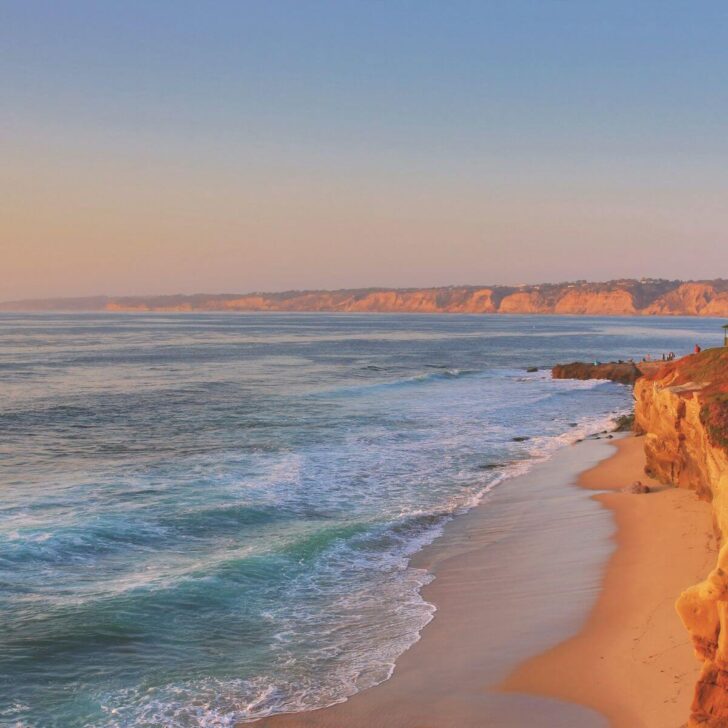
683 410
691 299
596 303
612 298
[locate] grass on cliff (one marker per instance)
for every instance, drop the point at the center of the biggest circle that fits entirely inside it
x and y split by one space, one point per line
714 415
710 366
710 369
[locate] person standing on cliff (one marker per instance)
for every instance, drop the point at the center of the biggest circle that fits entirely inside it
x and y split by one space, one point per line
697 349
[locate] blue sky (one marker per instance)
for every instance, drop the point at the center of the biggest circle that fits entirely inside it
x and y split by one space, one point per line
178 146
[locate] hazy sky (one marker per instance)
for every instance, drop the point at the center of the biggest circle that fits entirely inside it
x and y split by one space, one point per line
161 147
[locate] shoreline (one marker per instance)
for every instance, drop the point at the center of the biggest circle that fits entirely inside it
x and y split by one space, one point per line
633 660
554 603
514 576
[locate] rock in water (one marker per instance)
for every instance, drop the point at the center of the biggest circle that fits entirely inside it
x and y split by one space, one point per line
637 488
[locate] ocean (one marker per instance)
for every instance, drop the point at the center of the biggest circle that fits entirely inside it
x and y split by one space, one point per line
209 518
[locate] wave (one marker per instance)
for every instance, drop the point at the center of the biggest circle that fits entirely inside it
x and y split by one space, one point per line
383 547
292 569
353 550
443 374
76 543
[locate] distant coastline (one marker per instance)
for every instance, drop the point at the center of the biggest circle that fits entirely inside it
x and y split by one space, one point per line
644 297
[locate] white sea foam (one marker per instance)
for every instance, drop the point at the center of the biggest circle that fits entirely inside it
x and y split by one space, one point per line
367 661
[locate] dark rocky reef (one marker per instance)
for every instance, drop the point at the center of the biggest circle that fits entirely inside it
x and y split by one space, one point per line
622 372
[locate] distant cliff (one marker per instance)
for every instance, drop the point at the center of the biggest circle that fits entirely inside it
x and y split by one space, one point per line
615 298
683 410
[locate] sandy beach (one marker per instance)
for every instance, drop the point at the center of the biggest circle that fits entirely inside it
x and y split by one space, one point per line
633 660
534 571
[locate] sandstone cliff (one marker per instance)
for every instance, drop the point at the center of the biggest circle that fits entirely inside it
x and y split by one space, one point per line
683 410
613 298
578 301
691 299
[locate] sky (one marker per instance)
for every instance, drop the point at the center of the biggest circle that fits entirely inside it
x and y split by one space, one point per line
168 146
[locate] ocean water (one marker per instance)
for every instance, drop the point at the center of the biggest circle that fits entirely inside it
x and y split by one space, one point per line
205 519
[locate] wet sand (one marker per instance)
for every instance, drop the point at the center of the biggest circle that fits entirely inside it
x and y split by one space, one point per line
633 661
515 576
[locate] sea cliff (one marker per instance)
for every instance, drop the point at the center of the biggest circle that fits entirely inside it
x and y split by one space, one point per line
682 409
647 296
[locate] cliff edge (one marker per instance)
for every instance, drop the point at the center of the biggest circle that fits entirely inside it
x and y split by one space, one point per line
682 408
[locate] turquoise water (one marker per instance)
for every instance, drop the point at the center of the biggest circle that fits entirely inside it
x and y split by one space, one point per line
208 518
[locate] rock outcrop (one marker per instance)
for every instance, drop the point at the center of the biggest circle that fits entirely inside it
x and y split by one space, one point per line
622 372
613 298
683 410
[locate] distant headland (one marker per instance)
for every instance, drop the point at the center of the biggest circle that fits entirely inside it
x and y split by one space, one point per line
626 297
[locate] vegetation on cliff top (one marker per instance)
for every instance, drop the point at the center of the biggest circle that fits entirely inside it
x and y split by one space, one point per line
708 370
714 415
